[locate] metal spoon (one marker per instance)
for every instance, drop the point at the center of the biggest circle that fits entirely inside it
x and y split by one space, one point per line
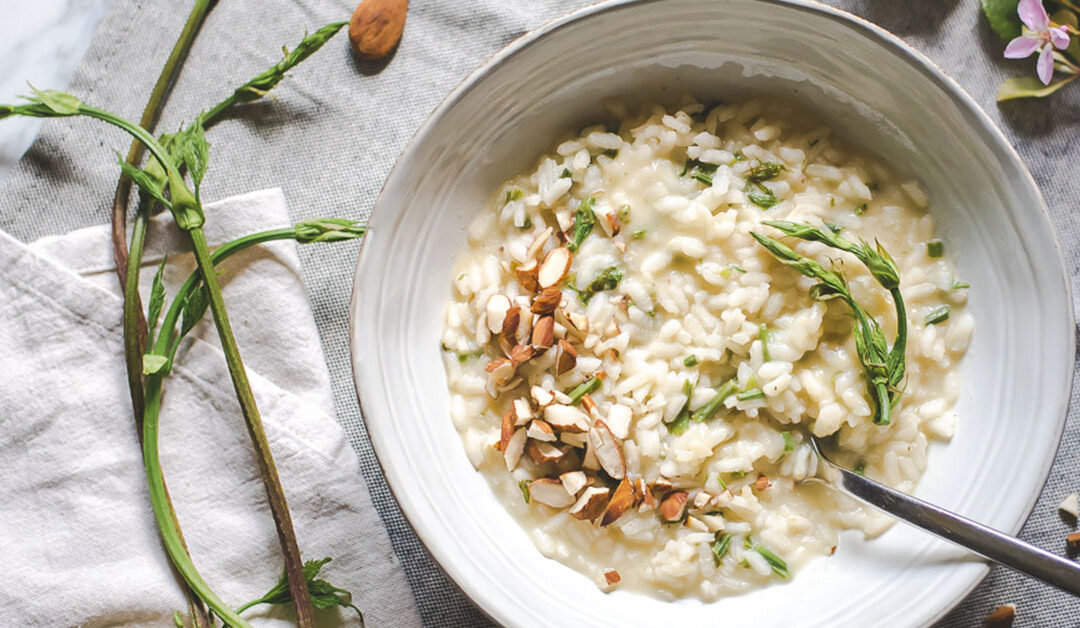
986 542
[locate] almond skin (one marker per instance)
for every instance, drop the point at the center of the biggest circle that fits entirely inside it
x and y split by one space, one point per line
508 426
510 323
526 276
546 302
761 483
621 501
1072 544
591 503
376 27
1001 617
565 357
522 353
543 333
673 506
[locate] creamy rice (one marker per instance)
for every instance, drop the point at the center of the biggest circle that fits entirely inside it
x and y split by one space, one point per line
693 298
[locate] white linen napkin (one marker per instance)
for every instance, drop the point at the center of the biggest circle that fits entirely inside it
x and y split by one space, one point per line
77 536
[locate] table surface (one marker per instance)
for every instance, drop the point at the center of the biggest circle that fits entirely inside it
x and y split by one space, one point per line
47 39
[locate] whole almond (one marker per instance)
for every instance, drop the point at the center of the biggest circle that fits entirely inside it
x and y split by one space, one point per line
543 333
376 27
673 506
548 299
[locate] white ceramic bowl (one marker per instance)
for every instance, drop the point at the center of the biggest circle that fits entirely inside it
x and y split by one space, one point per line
876 91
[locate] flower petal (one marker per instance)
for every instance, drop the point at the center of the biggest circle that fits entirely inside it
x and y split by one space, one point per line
1060 37
1033 14
1045 65
1021 47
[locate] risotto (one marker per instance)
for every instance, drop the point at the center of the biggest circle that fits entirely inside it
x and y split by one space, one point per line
637 376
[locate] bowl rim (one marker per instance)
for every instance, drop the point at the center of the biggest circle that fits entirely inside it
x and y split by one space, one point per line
920 61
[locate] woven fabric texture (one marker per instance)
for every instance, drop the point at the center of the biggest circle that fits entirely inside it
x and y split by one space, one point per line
336 126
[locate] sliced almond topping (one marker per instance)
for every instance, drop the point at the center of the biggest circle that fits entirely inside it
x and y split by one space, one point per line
511 320
589 405
574 481
508 421
575 440
621 501
607 449
550 492
648 500
538 244
540 430
500 371
579 321
526 275
521 354
1001 617
514 448
543 453
618 420
497 305
614 226
673 507
543 333
608 580
696 524
761 483
701 500
566 418
590 462
542 396
591 504
546 302
661 485
523 410
565 357
554 267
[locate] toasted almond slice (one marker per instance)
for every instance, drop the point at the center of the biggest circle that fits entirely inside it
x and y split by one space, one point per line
521 354
575 440
1001 617
526 275
607 449
565 319
539 429
591 504
648 500
673 507
701 500
508 421
554 267
761 483
538 243
523 410
608 580
543 453
502 372
621 501
574 481
579 321
566 418
543 333
497 306
614 226
511 320
546 302
565 357
1070 505
696 524
618 420
514 448
715 523
661 485
542 396
589 461
550 492
589 405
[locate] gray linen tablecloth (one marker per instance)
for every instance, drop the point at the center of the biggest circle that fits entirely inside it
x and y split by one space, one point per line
337 126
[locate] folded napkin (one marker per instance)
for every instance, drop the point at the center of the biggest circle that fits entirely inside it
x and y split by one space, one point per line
77 536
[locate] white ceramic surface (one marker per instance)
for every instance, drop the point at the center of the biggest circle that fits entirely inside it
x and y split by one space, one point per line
876 91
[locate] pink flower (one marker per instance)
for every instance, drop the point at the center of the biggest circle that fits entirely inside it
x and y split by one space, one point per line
1039 36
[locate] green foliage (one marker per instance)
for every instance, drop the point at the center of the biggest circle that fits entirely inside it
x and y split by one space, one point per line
258 87
157 297
1029 87
1002 17
323 594
584 221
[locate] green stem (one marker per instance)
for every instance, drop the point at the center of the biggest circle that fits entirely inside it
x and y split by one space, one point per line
294 567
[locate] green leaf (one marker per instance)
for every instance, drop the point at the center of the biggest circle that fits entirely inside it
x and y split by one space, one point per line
177 619
1003 17
586 387
60 103
196 151
147 182
157 298
584 221
193 309
1029 87
328 230
762 196
764 171
681 421
721 545
607 279
323 594
525 494
258 87
153 364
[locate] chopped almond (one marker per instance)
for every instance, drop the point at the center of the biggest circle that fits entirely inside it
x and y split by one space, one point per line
510 323
1070 505
608 580
523 410
696 524
550 492
526 276
546 302
673 507
513 449
621 501
648 500
541 430
614 226
607 449
761 483
500 371
589 405
497 306
538 243
554 267
565 357
543 453
591 504
521 354
1072 544
574 481
1001 617
542 396
566 418
508 423
579 440
543 333
618 420
661 486
701 500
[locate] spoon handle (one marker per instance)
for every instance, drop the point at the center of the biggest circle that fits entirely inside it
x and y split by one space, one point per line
987 542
